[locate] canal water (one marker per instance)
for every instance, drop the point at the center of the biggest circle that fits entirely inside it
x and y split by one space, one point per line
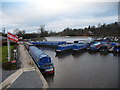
83 70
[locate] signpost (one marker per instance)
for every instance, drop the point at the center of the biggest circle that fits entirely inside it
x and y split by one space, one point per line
13 38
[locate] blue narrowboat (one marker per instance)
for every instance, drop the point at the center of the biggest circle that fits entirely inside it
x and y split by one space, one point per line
64 48
116 49
49 43
113 43
95 46
80 46
42 60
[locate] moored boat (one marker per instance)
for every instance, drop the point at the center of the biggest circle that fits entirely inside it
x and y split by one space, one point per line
42 60
95 46
49 43
79 47
64 48
116 49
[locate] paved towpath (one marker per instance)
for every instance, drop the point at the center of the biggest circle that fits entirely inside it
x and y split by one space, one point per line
25 58
28 76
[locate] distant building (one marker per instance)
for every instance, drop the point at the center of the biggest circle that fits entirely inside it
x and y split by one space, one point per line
16 31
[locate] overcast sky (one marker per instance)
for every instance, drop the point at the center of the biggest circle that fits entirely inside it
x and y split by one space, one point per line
56 14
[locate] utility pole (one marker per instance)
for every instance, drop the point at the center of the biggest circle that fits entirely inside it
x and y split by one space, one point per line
9 53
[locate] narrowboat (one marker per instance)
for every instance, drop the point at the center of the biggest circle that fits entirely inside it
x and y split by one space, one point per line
116 49
95 46
113 43
64 48
42 60
80 47
49 43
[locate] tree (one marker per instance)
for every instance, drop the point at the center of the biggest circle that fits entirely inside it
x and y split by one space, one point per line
99 25
21 32
42 32
89 27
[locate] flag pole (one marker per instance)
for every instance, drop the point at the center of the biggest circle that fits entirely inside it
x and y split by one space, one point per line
8 43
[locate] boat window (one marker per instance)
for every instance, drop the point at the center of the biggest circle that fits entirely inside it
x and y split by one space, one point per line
97 43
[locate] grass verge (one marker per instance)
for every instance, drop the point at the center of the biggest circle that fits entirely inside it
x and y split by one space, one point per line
5 64
5 53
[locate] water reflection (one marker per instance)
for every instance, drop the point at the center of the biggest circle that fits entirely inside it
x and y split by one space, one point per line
77 54
103 53
62 55
49 78
116 54
92 52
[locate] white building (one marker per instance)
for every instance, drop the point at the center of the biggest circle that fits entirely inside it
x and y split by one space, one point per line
16 31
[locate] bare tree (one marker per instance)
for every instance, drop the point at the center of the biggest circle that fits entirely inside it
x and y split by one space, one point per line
41 31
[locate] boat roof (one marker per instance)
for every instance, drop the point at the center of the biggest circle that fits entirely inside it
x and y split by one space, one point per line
50 41
43 55
97 43
66 45
38 52
79 44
